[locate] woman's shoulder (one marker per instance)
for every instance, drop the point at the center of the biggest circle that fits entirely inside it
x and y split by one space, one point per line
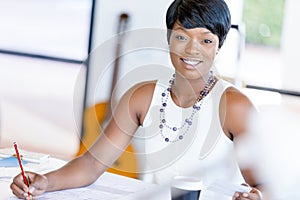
235 108
234 96
139 98
141 91
143 88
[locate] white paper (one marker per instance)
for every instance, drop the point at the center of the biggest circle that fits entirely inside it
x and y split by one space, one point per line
227 188
107 187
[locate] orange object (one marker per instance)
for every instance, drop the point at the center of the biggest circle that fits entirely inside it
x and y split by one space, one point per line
126 165
95 116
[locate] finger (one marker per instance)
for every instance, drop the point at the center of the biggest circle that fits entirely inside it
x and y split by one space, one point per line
38 185
35 190
17 191
32 189
240 197
251 195
236 196
245 196
30 176
29 197
257 192
19 182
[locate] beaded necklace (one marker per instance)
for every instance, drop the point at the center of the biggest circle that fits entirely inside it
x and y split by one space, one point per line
187 123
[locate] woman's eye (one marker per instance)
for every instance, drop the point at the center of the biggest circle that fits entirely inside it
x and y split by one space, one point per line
180 37
207 41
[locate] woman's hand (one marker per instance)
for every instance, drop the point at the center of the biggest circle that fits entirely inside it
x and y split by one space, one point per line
37 185
254 194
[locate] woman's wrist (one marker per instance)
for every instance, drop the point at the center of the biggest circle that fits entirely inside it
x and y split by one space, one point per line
50 183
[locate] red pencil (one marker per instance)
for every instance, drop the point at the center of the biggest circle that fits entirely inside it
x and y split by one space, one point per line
21 166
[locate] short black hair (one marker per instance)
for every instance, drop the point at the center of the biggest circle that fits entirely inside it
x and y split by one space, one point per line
213 15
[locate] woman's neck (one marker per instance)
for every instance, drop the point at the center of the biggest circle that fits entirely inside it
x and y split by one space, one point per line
185 92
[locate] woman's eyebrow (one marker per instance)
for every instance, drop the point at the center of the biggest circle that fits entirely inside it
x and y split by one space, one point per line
179 28
208 32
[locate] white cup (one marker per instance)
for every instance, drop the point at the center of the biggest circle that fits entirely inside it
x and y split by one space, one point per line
186 188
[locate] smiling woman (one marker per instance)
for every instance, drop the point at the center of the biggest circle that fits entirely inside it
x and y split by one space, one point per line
196 48
186 123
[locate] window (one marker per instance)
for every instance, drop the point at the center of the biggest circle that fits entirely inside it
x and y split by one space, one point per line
43 47
263 62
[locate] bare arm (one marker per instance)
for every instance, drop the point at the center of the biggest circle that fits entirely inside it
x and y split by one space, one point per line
112 142
76 173
235 110
84 170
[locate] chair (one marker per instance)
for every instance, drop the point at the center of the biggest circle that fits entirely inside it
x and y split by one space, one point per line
94 116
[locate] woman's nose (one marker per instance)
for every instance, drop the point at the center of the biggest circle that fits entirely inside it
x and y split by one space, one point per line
193 47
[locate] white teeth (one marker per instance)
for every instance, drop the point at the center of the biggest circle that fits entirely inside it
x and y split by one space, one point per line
191 62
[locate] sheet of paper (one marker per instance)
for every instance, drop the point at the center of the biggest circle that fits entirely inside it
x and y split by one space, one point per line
10 172
107 187
227 188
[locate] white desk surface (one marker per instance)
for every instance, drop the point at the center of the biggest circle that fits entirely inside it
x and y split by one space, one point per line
108 186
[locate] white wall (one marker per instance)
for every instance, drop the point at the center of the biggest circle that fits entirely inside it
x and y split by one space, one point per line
290 45
146 20
41 104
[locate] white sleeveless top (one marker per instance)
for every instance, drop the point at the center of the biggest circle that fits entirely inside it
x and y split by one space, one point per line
204 150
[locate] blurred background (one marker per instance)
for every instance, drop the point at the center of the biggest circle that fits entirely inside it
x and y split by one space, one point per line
57 59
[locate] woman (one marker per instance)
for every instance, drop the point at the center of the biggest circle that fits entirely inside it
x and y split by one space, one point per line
189 120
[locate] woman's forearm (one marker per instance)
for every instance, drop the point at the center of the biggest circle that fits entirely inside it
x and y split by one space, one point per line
79 172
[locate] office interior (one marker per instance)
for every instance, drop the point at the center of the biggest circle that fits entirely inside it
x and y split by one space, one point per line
57 59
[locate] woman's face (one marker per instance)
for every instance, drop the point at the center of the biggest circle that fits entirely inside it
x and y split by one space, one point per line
192 51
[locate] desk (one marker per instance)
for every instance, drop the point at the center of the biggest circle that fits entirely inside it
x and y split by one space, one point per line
108 186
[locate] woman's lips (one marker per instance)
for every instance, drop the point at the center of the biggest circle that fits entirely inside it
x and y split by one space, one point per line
192 62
